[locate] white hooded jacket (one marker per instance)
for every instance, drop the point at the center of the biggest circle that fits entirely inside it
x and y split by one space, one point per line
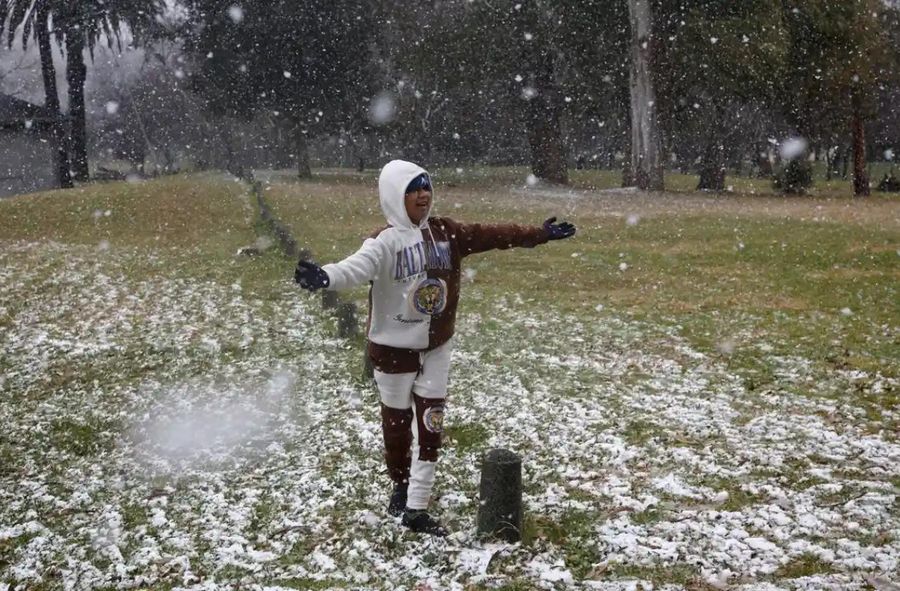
394 321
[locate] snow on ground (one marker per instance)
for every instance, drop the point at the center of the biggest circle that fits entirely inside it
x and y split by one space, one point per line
198 434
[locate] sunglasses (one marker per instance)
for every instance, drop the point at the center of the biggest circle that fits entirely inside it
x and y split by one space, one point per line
420 182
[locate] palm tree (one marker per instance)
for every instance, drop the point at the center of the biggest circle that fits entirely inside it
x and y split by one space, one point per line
38 18
77 24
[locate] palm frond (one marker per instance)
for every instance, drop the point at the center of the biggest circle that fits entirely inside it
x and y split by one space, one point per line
4 19
19 12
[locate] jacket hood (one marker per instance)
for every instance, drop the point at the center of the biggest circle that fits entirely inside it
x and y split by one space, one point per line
394 178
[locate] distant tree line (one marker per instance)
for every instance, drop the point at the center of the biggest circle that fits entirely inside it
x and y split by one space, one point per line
701 86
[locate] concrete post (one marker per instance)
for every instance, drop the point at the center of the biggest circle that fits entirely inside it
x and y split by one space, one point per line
368 368
500 511
346 315
329 299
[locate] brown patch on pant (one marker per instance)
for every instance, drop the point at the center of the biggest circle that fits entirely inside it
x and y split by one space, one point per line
430 422
396 426
393 360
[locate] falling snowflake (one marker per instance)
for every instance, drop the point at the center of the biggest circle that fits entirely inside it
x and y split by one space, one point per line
726 346
623 266
383 108
236 13
793 147
112 107
632 219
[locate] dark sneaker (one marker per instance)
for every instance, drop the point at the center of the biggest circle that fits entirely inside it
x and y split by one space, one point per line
398 500
420 521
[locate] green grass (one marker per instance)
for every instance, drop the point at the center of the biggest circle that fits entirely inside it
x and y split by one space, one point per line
466 436
82 439
639 432
804 566
493 177
572 532
180 211
310 584
676 574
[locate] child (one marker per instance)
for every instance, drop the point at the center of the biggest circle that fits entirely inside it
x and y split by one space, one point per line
413 266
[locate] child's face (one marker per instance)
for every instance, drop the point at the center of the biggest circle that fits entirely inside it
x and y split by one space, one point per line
417 204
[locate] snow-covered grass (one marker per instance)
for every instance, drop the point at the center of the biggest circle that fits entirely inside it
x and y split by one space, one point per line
178 417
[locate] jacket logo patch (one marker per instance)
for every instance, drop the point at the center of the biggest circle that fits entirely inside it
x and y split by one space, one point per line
433 418
430 296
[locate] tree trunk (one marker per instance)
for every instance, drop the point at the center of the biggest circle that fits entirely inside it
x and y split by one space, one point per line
543 108
627 171
303 169
860 174
76 72
646 162
548 160
763 164
51 100
712 171
845 165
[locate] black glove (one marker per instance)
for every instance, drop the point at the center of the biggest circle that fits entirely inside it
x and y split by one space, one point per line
558 231
310 276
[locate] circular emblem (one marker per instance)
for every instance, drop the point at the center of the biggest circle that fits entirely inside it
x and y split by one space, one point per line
433 417
430 296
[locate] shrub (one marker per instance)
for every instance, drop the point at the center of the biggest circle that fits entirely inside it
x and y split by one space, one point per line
890 183
795 177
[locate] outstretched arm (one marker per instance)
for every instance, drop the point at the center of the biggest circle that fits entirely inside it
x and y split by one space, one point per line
475 238
357 269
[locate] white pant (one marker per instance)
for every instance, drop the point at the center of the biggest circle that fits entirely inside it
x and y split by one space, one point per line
396 390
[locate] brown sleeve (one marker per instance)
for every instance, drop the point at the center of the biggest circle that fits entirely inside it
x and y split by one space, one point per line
475 238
